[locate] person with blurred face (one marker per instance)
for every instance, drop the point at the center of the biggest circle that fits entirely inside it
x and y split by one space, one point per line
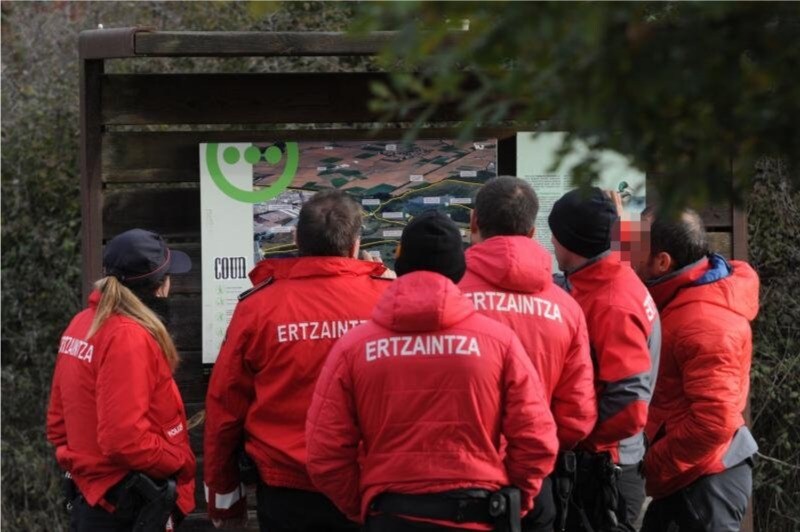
698 466
509 279
624 335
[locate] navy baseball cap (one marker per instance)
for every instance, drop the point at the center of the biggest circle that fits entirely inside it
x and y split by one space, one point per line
139 255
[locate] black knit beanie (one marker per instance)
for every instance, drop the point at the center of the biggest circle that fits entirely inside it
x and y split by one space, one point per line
432 242
581 221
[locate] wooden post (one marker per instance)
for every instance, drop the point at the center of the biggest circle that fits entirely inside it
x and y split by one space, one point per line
91 71
741 250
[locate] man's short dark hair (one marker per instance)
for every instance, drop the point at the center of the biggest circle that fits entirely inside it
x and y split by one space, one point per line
329 225
506 206
681 235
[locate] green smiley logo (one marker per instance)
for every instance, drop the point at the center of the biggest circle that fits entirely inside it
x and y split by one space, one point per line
252 155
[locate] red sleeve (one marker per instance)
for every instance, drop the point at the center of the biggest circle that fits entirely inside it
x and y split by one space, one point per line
619 338
230 393
711 384
332 436
574 403
527 425
126 379
56 429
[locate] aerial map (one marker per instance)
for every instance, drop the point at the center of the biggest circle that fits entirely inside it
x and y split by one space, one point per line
393 181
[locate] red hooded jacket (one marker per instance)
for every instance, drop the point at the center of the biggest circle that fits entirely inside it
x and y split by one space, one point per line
115 408
264 377
625 336
695 424
509 279
428 386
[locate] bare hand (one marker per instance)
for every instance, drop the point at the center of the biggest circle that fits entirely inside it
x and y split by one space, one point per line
615 197
369 257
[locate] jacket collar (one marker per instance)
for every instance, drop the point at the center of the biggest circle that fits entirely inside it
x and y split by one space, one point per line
705 271
94 298
598 269
590 262
302 267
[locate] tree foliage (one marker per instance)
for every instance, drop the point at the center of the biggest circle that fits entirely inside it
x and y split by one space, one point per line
684 89
774 223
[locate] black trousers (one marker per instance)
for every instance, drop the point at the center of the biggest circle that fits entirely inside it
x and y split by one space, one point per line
127 506
392 523
631 493
85 518
543 516
290 510
714 503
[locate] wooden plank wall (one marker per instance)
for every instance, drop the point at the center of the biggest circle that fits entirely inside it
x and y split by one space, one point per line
138 177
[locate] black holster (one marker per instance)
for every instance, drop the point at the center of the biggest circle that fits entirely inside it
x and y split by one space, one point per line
505 506
70 491
597 498
158 501
563 484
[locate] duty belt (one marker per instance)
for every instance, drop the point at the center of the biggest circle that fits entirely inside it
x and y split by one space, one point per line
500 509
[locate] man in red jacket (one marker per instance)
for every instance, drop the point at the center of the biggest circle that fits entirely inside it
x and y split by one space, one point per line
509 279
624 334
276 344
405 427
698 467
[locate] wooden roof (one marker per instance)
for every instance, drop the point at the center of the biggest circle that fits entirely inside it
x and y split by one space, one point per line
144 42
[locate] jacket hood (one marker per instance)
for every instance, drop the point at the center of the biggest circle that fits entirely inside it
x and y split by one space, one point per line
514 263
733 285
298 267
421 301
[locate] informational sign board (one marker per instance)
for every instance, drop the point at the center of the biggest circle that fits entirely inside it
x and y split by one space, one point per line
251 195
536 155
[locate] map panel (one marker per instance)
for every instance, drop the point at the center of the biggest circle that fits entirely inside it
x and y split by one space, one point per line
392 181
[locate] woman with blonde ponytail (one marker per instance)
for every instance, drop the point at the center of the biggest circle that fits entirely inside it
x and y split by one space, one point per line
116 417
117 299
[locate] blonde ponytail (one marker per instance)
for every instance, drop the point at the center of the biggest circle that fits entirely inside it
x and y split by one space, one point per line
116 298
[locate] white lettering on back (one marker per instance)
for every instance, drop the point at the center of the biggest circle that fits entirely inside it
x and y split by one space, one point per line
314 330
408 346
515 303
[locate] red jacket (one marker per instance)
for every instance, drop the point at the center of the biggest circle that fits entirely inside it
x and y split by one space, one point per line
625 336
695 423
509 279
115 408
428 386
265 374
